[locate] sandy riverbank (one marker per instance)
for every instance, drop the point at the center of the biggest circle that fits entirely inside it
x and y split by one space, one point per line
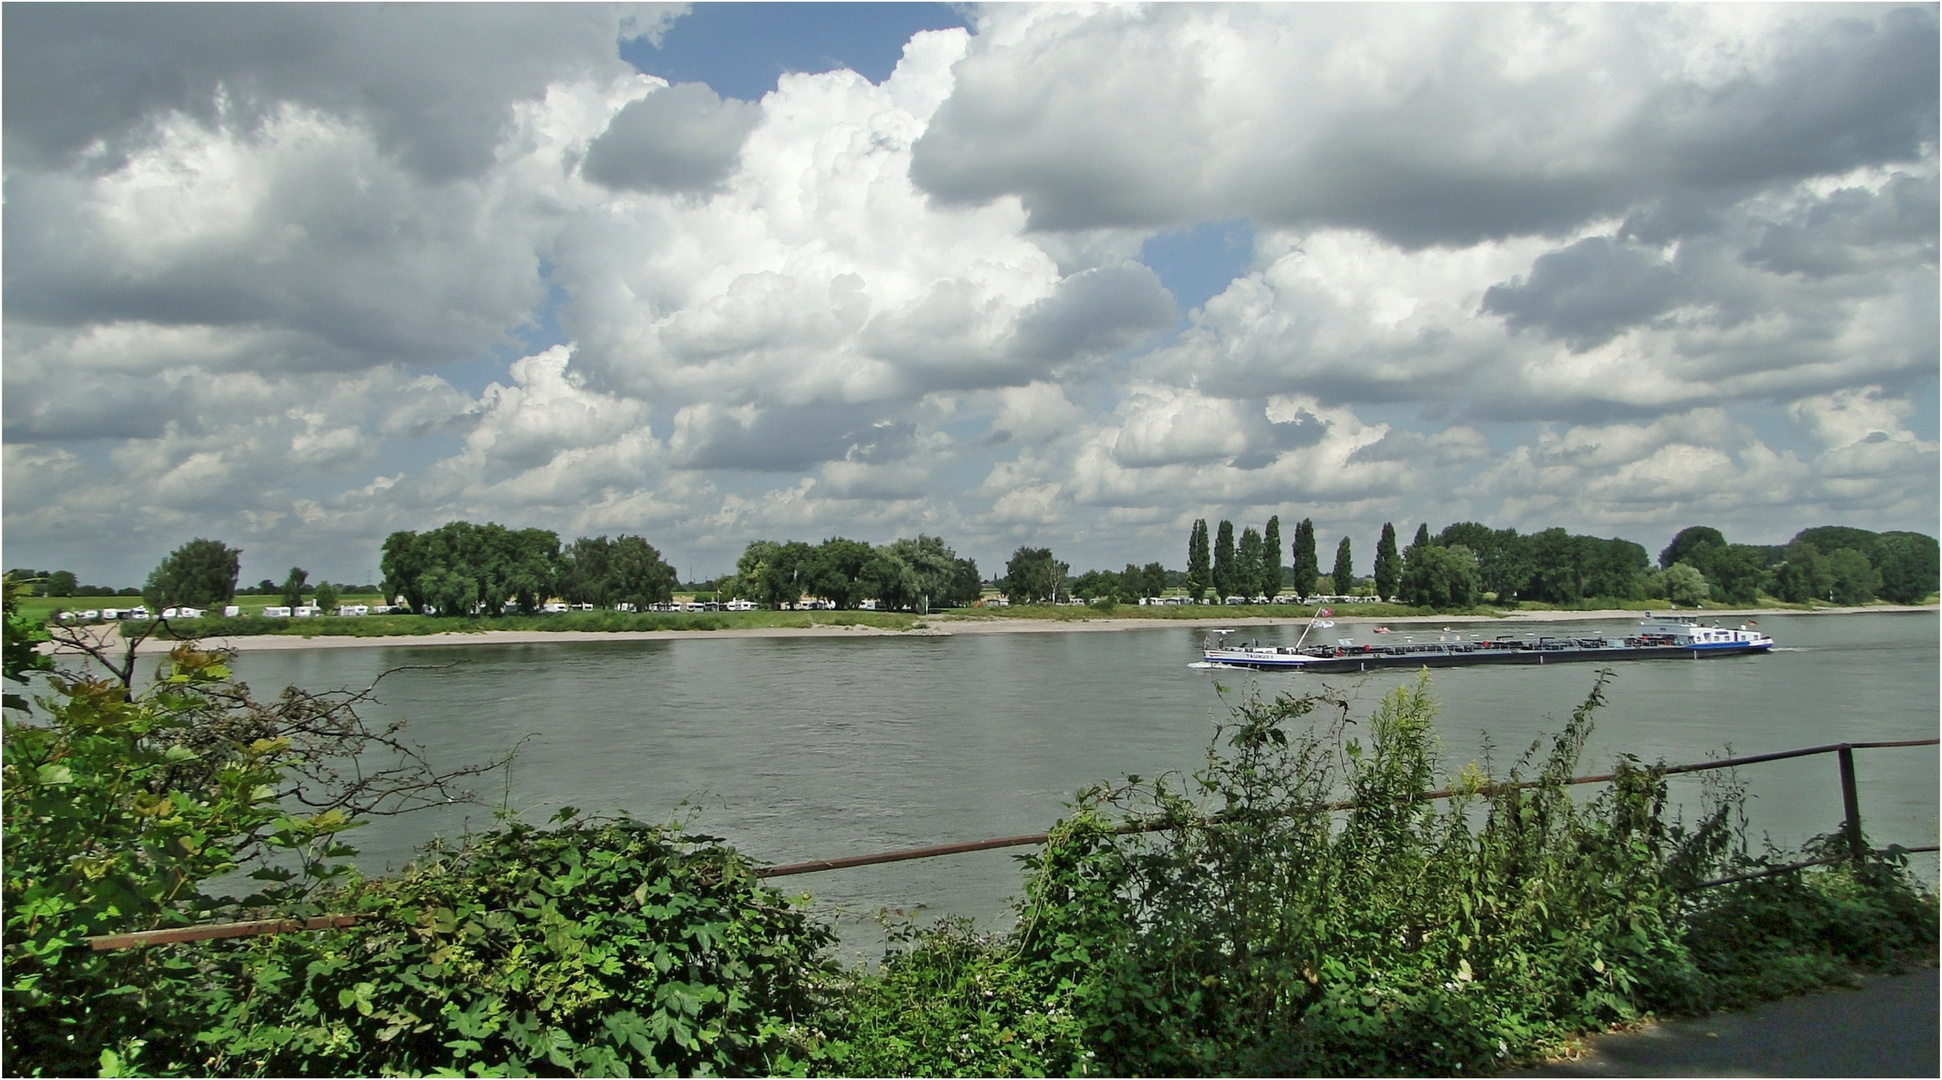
944 625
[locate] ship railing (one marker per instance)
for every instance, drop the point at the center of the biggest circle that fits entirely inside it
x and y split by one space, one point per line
1857 849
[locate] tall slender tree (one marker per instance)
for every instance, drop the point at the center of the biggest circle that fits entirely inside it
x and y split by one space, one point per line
1271 558
1248 560
1344 572
1422 536
1307 566
1224 584
1199 573
1389 564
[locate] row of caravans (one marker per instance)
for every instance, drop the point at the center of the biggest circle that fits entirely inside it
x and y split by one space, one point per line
310 611
139 612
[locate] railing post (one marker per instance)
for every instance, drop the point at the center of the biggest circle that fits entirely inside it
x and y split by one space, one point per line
1851 802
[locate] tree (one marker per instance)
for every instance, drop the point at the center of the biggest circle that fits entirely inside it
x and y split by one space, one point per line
461 568
1910 568
1439 577
1199 573
1224 583
62 583
586 574
200 573
1271 559
1739 571
1033 576
637 574
1307 565
1389 565
1804 575
1153 579
834 571
933 567
1855 578
1684 584
890 581
1344 572
1698 545
1831 538
1422 536
1504 563
326 597
967 587
1247 561
294 588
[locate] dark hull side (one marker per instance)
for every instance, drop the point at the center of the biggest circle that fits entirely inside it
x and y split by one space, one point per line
1357 661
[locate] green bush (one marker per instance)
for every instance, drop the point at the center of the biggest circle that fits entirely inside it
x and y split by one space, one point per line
607 948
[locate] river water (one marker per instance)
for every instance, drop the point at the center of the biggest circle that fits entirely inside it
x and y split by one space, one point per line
805 748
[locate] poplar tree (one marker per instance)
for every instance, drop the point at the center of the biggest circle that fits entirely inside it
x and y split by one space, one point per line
1198 574
1344 572
1248 562
1422 536
1224 560
1389 565
1271 558
1307 566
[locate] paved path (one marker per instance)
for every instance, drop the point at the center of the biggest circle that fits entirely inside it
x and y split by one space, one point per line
1886 1028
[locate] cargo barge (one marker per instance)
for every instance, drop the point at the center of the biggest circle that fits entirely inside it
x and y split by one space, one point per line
1659 637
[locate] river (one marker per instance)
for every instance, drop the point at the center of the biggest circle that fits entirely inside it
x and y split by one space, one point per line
805 748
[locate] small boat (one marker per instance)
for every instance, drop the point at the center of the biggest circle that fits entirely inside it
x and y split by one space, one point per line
1380 630
1662 637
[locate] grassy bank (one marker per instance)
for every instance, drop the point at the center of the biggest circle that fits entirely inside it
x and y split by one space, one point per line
586 621
1214 923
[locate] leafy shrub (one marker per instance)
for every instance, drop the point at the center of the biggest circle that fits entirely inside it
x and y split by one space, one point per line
117 810
948 1001
605 948
1298 906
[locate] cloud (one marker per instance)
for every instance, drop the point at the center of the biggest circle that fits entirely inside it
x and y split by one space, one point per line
1588 293
301 236
435 84
1444 125
300 277
1094 312
682 138
545 410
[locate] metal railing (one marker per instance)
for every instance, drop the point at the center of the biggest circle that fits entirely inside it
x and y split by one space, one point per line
1850 828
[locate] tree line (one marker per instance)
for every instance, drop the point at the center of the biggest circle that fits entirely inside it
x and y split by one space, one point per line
1469 562
904 575
461 567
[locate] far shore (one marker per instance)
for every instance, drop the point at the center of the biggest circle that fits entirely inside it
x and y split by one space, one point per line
935 626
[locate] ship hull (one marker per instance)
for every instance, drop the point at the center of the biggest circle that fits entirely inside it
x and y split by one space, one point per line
1357 660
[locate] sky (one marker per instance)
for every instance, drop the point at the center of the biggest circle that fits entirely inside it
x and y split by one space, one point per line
295 277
